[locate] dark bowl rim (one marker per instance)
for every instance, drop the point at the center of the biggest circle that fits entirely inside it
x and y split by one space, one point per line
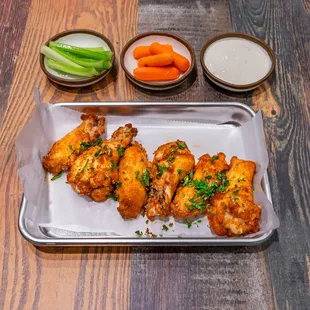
160 33
264 45
88 80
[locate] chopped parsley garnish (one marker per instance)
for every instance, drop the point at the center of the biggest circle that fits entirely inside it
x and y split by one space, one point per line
173 150
186 222
170 160
165 228
70 147
97 153
105 147
161 169
213 158
180 171
212 214
233 198
208 176
187 181
119 184
113 165
236 192
170 225
145 178
109 152
147 221
139 233
120 151
56 176
97 142
197 203
219 176
113 196
85 165
241 180
85 145
181 145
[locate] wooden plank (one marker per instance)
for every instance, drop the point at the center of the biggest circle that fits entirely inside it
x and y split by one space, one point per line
35 278
200 277
13 16
287 123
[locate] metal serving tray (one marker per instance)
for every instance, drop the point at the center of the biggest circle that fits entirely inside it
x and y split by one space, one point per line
219 113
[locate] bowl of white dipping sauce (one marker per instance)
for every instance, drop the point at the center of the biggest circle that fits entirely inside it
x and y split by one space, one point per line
237 62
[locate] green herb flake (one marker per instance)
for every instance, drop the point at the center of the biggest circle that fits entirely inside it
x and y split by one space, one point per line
219 176
170 160
109 152
113 165
147 221
85 165
165 228
208 176
180 171
213 158
186 222
97 142
241 180
173 150
139 233
170 225
181 145
236 192
70 147
161 169
212 214
119 184
145 178
56 176
120 151
187 181
97 153
113 196
105 147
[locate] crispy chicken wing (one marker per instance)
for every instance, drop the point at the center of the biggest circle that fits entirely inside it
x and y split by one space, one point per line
65 151
95 171
172 161
133 179
234 212
186 201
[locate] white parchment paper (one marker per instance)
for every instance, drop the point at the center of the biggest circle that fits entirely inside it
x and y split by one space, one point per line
58 206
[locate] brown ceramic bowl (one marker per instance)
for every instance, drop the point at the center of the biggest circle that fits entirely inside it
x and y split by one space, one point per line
78 37
181 46
263 48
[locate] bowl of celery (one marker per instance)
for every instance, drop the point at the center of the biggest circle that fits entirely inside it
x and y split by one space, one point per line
77 58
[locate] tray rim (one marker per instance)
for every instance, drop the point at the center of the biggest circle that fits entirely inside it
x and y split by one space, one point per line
124 241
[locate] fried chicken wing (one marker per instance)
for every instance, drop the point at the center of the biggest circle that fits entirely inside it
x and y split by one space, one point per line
95 171
172 161
187 202
66 150
133 179
234 212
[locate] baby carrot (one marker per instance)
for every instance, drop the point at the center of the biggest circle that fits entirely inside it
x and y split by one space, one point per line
159 60
179 61
156 73
143 51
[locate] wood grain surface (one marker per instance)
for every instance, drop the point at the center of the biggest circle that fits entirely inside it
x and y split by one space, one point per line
275 275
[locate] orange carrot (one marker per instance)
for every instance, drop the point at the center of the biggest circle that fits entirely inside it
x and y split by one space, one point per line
159 60
143 51
156 73
179 61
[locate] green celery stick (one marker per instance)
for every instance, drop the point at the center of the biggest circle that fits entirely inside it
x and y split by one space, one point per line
82 51
96 49
85 72
51 54
106 65
85 62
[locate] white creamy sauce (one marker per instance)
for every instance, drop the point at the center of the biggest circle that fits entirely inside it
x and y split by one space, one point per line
237 60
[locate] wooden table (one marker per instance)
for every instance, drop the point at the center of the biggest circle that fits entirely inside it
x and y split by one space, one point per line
275 275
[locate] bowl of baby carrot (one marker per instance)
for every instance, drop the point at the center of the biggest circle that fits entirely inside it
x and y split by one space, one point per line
157 60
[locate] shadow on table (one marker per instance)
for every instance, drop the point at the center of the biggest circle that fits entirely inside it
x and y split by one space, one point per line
113 252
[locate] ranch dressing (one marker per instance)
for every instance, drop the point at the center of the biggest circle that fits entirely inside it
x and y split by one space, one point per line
237 60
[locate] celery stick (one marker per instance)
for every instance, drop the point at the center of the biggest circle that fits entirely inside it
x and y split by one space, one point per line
85 72
85 62
96 49
106 65
82 51
51 54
